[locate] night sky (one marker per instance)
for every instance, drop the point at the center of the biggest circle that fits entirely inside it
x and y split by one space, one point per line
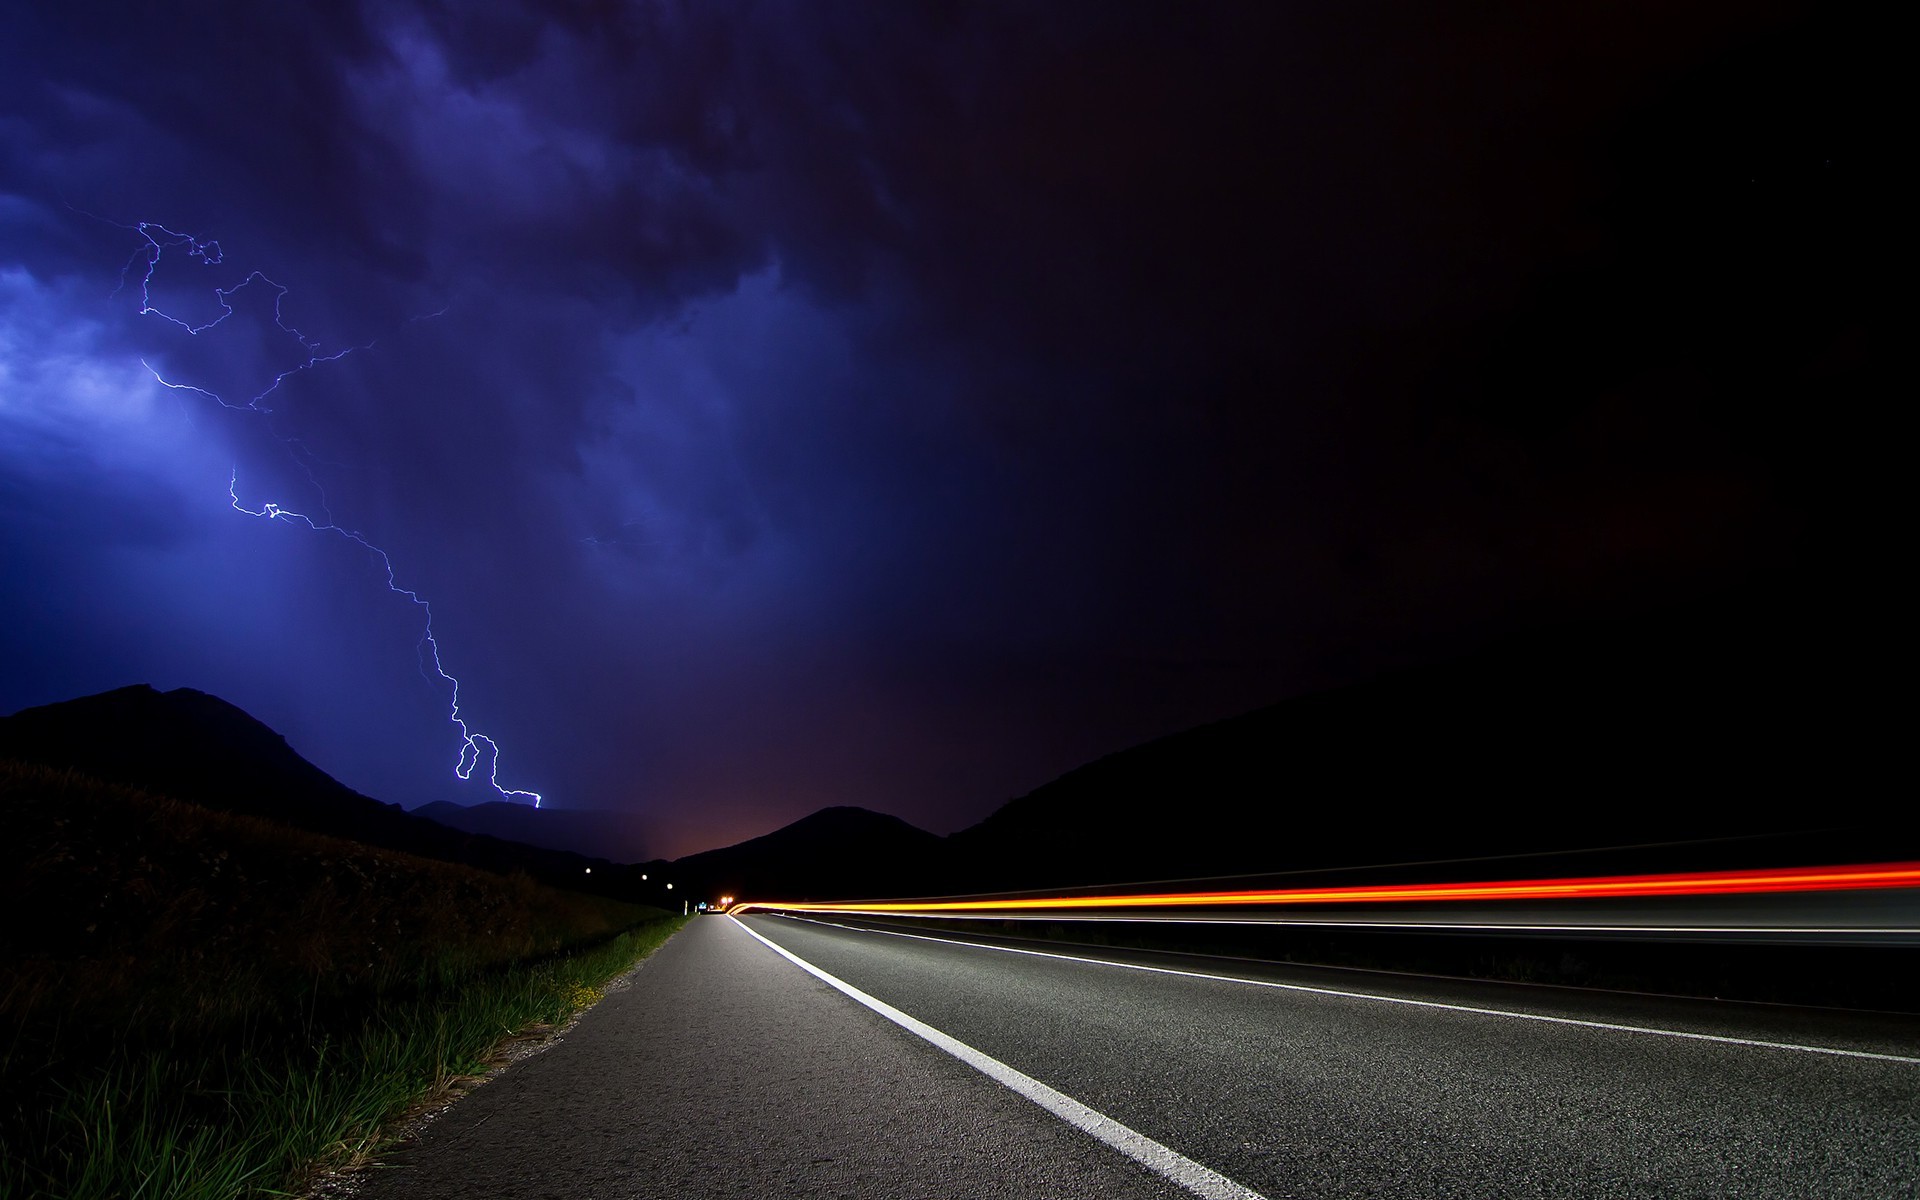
784 405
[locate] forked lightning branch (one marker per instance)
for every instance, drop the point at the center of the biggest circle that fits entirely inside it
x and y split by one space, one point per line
159 242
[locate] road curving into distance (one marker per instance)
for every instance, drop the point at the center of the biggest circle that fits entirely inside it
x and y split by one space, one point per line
779 1056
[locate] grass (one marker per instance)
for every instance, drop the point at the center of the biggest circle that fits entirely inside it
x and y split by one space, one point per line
205 1005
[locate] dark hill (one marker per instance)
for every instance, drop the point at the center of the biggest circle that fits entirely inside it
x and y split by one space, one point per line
1668 729
834 854
1652 731
198 748
181 743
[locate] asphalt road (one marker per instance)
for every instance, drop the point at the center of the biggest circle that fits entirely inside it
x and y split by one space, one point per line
1315 1094
727 1070
722 1070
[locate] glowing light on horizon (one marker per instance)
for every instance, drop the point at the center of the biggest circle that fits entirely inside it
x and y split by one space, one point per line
159 240
1700 883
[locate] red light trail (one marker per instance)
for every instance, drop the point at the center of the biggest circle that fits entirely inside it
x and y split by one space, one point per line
1859 877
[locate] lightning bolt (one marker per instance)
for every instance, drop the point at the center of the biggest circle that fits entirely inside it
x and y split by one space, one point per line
158 241
470 742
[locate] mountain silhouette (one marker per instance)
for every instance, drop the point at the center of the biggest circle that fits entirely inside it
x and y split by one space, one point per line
836 853
1717 736
1702 728
195 747
183 743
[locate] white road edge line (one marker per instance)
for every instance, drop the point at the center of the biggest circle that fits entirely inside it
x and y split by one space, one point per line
1163 1161
1321 991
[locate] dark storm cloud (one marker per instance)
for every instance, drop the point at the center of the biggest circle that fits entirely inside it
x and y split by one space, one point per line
785 404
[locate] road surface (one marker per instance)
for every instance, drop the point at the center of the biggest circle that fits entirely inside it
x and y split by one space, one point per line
729 1070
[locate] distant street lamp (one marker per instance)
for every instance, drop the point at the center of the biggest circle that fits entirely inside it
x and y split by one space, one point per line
669 887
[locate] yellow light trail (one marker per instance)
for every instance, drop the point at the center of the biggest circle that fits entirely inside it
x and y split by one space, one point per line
1857 877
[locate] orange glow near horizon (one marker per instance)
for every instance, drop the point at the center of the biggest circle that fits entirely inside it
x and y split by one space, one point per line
1702 883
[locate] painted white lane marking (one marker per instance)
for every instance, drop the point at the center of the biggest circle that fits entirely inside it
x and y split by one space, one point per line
1168 1163
1351 995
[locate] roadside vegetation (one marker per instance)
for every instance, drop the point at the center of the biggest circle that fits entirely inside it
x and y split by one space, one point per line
198 1004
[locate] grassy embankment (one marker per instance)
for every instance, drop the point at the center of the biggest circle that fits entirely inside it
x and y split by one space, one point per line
195 1004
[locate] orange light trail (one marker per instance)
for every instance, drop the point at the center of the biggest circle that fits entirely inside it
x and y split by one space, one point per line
1703 883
